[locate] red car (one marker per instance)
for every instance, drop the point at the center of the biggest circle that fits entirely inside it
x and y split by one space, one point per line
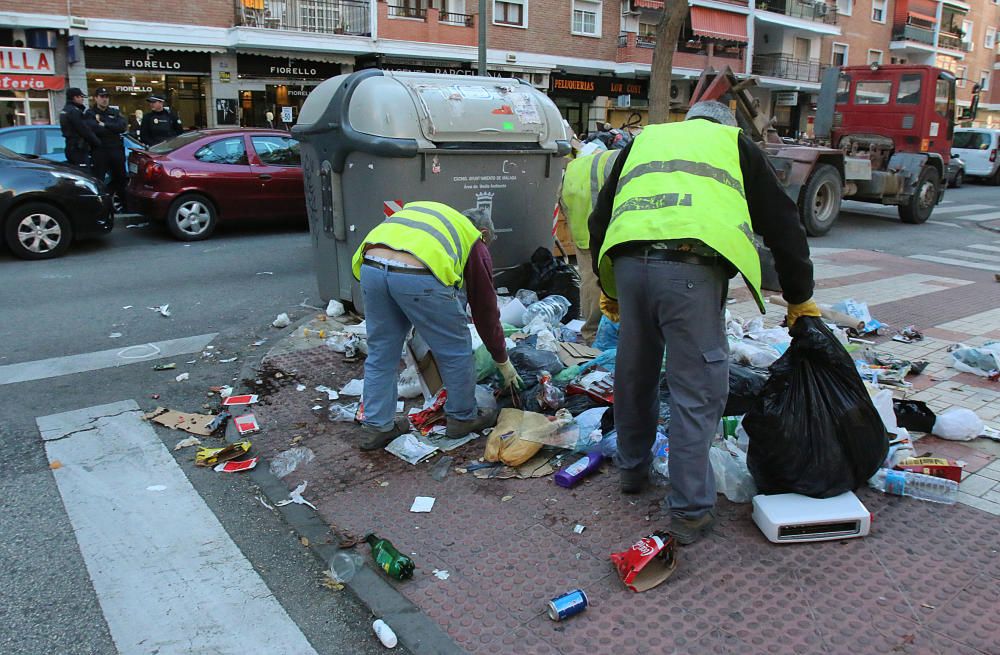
199 178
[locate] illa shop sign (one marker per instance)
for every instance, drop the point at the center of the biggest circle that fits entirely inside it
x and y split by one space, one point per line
27 61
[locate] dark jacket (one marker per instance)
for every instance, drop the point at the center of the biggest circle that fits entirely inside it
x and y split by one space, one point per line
77 129
773 214
158 126
108 124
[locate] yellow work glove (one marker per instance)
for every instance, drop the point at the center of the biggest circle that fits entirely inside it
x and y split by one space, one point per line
510 376
807 308
609 308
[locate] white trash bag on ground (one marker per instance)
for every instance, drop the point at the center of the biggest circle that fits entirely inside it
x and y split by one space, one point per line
732 478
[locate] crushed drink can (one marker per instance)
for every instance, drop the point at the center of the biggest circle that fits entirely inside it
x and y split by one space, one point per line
569 604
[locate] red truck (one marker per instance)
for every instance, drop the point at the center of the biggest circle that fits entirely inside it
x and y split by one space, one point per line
887 133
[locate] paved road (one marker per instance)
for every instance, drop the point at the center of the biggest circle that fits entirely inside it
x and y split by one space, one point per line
232 287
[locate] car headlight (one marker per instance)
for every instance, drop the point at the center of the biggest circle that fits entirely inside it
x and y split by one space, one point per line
79 181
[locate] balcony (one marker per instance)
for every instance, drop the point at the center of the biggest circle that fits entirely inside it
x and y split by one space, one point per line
818 11
697 54
318 16
911 31
787 68
952 41
425 24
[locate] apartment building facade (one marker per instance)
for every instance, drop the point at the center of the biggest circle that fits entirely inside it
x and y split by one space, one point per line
223 62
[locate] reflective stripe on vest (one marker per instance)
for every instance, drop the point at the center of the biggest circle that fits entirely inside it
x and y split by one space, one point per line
583 181
434 233
697 193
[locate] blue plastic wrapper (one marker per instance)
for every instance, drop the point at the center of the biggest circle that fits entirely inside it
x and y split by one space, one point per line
607 334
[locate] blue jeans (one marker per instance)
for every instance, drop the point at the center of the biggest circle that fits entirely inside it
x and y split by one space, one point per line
393 302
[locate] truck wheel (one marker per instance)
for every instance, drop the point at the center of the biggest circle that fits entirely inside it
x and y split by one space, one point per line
819 204
925 196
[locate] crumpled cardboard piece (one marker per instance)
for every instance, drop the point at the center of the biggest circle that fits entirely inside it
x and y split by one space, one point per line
212 456
538 466
648 562
572 354
193 423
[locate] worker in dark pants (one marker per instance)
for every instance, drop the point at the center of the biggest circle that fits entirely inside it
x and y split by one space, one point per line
77 129
159 123
109 156
675 220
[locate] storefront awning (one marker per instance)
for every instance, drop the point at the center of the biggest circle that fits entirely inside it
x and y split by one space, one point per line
104 43
718 24
303 55
649 4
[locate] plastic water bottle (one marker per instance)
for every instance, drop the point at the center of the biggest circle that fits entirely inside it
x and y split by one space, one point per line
915 485
385 633
551 310
345 565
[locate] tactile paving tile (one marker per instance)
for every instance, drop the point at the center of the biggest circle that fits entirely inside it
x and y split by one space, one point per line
850 630
971 617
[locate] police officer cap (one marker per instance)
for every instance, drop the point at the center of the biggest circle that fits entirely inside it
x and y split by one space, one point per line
155 98
74 92
713 110
101 91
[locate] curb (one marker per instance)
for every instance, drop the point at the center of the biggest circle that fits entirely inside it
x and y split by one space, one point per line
415 630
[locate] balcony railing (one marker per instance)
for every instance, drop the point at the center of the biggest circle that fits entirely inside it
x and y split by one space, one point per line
322 16
817 10
403 11
788 68
909 32
456 19
953 42
641 40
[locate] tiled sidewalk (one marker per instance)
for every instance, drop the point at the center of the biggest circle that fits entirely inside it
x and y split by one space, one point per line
927 580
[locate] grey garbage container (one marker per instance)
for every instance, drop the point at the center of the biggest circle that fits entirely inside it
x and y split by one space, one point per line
374 140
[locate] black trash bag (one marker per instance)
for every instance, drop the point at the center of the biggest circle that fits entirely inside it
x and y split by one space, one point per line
546 276
814 430
745 384
914 415
531 361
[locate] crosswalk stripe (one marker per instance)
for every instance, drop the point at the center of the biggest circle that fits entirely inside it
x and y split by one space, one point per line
977 218
983 246
167 575
55 366
956 262
973 254
961 208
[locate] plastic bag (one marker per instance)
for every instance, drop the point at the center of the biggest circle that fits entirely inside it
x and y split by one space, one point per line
408 385
732 478
526 296
958 424
745 384
607 334
338 342
983 361
345 413
750 353
882 399
814 429
914 415
287 461
505 443
660 468
485 366
530 361
547 341
485 398
549 395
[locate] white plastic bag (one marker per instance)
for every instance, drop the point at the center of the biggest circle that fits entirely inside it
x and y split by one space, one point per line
335 308
732 478
287 461
958 424
882 399
983 361
409 383
547 341
748 353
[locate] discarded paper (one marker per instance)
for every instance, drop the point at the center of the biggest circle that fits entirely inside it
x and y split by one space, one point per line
422 504
193 423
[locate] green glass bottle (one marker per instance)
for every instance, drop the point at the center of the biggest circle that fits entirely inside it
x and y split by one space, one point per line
390 560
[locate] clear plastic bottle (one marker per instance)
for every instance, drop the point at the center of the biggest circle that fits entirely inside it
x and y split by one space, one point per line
345 565
915 485
551 310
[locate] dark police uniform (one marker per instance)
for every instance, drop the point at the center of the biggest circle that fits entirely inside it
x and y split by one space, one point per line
109 157
78 131
158 126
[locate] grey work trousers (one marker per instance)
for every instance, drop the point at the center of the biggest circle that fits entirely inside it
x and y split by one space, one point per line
679 305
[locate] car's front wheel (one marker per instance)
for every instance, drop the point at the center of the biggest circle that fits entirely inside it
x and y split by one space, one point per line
38 231
957 181
192 218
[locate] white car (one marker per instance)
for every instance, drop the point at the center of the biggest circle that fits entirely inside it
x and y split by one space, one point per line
977 146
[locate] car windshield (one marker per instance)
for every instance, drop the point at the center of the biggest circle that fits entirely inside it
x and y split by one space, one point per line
177 142
972 140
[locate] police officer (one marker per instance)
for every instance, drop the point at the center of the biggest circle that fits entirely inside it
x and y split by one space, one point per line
77 129
109 156
158 124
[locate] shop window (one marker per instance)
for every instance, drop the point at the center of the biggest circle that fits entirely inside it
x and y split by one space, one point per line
277 150
223 151
872 93
878 11
909 90
586 17
511 12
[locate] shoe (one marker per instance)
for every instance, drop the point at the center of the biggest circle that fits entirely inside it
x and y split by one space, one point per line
379 439
456 428
634 481
689 530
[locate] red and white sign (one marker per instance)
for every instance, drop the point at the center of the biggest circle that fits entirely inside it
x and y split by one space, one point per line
390 207
31 83
27 61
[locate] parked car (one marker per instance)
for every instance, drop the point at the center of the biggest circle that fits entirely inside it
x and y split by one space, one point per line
977 146
46 206
197 179
954 172
47 141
